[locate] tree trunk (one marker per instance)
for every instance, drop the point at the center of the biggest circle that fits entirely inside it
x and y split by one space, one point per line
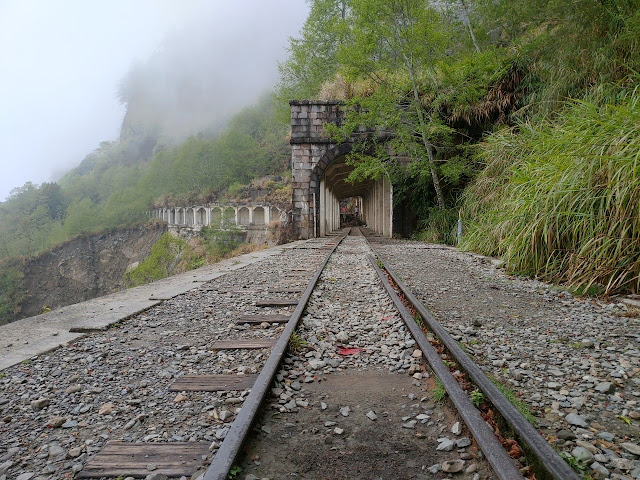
435 176
467 20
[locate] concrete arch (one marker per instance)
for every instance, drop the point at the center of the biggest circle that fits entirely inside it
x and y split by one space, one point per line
244 216
258 216
216 216
229 216
190 217
330 187
200 216
172 216
274 214
180 216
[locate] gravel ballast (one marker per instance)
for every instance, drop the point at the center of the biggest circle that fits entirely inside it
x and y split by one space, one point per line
574 362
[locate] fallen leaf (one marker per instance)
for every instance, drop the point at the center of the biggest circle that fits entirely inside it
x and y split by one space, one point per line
350 351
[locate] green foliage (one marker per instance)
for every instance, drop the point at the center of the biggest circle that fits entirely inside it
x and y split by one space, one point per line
439 227
313 56
561 199
477 398
234 472
577 463
296 343
394 44
221 240
11 291
119 182
439 393
521 406
165 256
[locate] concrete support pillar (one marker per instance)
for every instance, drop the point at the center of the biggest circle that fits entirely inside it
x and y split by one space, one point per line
235 209
323 210
386 231
251 215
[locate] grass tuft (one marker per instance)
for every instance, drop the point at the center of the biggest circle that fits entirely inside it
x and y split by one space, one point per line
561 199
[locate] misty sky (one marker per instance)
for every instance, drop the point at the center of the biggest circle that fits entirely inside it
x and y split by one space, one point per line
61 63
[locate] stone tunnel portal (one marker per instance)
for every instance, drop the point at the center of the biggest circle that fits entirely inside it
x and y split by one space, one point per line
320 176
372 199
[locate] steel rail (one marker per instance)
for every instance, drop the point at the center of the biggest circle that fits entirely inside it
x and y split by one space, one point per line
502 464
226 454
548 458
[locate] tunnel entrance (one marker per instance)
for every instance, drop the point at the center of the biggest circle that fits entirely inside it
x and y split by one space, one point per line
319 173
342 203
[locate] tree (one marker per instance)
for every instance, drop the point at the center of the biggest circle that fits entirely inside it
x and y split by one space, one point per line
313 57
395 44
54 200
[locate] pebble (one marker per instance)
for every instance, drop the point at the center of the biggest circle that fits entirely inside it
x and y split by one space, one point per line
39 405
463 442
156 476
456 429
577 420
444 444
73 388
582 454
453 466
631 448
344 411
107 409
342 336
371 415
56 422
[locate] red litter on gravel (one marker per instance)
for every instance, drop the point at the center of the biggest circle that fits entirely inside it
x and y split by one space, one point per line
350 351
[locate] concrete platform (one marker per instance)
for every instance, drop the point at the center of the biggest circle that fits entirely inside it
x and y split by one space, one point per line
23 339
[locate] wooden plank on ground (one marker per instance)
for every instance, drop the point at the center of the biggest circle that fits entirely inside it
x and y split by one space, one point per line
212 383
277 302
263 318
285 290
124 459
248 344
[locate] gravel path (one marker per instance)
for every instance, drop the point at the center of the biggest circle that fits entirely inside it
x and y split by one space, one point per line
59 409
368 415
574 362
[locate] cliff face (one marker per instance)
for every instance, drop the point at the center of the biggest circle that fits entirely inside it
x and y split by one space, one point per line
84 268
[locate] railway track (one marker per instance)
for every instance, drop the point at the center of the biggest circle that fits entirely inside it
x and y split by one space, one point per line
543 460
321 375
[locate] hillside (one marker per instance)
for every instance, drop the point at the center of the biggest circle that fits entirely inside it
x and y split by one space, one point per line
521 116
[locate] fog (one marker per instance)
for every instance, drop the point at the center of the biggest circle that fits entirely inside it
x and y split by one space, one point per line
186 64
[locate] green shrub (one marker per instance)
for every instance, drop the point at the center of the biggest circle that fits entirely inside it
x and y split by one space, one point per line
561 199
440 226
12 291
165 256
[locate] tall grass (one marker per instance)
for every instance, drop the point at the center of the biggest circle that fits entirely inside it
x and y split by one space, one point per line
561 199
439 227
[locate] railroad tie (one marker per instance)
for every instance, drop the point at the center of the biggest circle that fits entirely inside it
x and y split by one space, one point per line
122 459
285 290
248 344
264 318
277 302
212 383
